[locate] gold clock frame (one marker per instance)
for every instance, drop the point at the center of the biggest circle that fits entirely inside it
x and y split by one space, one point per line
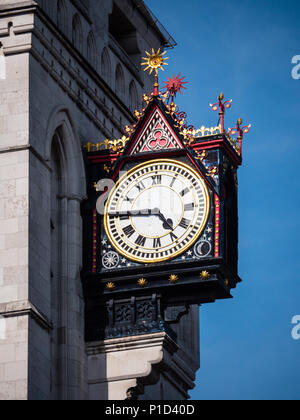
186 247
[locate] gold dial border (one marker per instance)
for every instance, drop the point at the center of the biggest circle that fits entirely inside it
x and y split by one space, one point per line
136 169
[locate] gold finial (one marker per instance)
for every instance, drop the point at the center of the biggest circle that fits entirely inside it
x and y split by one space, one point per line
154 61
142 282
221 96
173 278
205 275
240 121
110 286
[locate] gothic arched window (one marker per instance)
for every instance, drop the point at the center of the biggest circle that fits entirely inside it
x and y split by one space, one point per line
61 15
133 97
106 66
120 83
77 37
67 190
92 50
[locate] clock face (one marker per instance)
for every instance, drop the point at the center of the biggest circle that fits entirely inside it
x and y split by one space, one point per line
156 211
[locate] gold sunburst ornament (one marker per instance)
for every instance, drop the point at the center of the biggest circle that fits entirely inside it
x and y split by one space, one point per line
173 278
142 282
205 275
155 61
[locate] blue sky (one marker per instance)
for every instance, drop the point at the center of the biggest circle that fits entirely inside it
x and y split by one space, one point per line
244 48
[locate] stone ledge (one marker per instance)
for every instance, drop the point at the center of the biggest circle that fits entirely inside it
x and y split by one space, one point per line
17 5
131 343
25 308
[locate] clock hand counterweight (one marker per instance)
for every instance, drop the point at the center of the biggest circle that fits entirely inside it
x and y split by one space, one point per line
168 224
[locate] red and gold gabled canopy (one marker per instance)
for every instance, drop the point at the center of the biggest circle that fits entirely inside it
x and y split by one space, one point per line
161 128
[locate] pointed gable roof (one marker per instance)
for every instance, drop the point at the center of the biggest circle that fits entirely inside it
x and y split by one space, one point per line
156 135
157 132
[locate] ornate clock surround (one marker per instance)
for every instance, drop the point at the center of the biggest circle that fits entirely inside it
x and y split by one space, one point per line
128 297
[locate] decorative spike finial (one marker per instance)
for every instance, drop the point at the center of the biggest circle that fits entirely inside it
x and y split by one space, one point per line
240 131
175 85
222 106
154 62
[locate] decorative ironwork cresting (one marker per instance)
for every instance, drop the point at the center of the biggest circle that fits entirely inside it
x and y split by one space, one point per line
240 131
222 105
156 61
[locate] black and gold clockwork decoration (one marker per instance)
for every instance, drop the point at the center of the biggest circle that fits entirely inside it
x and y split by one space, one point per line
156 211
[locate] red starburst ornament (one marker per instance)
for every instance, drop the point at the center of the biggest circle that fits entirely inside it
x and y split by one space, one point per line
175 85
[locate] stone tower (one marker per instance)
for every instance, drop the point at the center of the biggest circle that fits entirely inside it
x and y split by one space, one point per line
69 73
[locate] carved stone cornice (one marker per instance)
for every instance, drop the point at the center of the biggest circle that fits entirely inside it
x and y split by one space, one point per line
147 358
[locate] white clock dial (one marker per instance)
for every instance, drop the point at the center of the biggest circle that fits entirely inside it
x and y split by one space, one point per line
156 211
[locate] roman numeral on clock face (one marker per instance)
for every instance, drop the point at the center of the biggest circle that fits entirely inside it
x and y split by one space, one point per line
140 241
184 192
129 231
173 237
173 181
140 187
184 223
156 180
189 207
156 243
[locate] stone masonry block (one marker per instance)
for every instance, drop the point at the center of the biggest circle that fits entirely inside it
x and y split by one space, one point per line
7 188
16 240
8 294
22 187
7 391
9 226
15 371
7 353
19 170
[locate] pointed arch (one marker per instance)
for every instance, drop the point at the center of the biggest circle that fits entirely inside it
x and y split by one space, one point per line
133 97
60 118
106 66
67 190
120 81
92 50
62 15
77 34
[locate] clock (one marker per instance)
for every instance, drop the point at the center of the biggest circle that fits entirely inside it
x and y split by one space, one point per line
156 211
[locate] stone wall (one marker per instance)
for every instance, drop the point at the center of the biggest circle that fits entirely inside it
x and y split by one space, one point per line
64 81
14 213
